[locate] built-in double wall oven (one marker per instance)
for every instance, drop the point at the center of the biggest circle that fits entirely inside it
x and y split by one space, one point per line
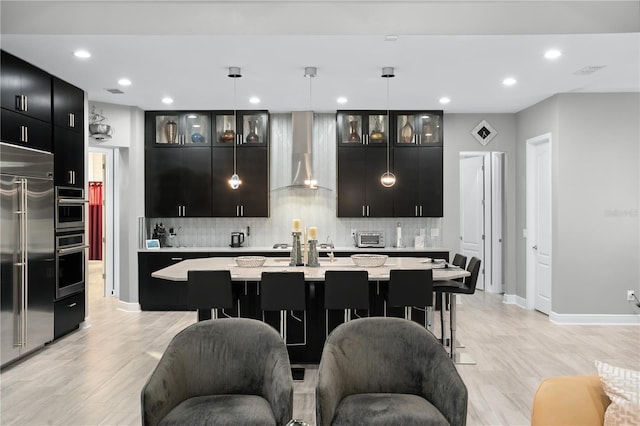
71 264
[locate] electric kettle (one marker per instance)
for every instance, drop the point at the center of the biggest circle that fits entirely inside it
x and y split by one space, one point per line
237 238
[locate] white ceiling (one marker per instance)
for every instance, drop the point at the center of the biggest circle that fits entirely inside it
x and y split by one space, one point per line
191 66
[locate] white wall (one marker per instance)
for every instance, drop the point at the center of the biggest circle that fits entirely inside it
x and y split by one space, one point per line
595 196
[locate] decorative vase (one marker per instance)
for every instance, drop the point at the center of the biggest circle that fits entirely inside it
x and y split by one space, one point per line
353 132
170 131
312 259
377 135
228 136
406 131
253 137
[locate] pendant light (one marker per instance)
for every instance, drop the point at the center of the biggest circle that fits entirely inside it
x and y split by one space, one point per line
234 182
388 179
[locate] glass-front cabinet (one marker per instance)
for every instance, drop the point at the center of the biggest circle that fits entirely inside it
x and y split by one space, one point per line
417 128
170 128
250 128
362 128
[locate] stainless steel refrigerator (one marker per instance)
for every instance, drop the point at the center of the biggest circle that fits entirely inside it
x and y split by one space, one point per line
26 249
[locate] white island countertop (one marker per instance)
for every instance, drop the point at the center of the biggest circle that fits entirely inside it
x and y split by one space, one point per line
178 271
285 251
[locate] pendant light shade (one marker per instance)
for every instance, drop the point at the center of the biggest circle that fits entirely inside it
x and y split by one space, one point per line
234 181
388 179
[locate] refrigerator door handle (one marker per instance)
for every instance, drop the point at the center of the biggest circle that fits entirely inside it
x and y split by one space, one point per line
21 334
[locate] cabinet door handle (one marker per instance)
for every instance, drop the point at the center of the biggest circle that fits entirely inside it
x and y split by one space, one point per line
19 102
70 119
72 305
237 210
26 103
420 211
70 180
23 134
363 214
416 210
184 211
176 259
367 211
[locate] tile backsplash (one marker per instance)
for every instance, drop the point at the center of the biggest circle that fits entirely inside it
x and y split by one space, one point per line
313 207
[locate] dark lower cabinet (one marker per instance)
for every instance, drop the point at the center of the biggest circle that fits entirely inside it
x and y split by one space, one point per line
68 313
19 129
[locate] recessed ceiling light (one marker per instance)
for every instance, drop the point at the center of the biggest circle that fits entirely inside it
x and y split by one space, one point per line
341 100
254 100
391 38
82 54
167 100
509 81
552 54
444 100
124 82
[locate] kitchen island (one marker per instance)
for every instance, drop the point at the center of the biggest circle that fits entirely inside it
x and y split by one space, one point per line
247 286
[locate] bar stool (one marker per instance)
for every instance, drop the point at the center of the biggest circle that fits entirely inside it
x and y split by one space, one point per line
452 287
460 261
284 291
345 290
209 290
410 288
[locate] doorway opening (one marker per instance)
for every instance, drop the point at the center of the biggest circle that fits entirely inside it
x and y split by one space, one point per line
100 277
538 227
481 215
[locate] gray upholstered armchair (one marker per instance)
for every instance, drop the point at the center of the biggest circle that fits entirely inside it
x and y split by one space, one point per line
231 371
384 371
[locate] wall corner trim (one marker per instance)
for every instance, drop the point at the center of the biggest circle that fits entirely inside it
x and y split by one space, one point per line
594 319
128 307
514 299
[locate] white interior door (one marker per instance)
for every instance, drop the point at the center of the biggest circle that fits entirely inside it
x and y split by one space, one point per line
539 223
472 210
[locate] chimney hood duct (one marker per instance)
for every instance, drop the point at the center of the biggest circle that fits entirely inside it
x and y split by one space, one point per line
302 161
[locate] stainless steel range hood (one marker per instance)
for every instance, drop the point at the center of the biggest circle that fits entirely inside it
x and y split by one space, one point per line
301 153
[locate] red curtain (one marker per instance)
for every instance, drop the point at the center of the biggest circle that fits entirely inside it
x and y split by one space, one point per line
95 220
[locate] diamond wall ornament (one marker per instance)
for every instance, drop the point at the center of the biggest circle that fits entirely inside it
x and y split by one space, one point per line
484 132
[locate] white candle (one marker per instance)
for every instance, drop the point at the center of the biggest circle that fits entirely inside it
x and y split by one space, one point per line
297 225
313 233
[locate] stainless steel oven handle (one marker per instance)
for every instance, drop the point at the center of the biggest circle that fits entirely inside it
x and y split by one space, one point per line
71 201
73 249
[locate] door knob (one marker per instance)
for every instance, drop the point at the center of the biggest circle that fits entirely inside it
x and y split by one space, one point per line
535 247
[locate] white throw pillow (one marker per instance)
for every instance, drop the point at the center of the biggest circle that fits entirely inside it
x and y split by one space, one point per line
622 386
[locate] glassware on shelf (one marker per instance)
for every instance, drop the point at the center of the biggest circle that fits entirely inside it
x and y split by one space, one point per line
252 137
171 131
406 131
353 131
377 134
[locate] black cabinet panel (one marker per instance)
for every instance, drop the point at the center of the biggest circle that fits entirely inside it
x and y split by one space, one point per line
68 149
25 88
68 313
418 191
251 199
178 182
68 105
25 131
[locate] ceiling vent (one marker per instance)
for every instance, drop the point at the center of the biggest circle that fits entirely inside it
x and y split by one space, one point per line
115 91
589 69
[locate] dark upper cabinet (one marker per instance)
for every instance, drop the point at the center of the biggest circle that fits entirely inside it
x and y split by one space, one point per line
177 128
26 131
251 198
362 128
25 88
418 188
178 182
68 105
68 163
250 128
360 193
416 128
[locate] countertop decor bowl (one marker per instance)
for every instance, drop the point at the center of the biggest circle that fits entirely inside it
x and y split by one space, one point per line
250 261
369 260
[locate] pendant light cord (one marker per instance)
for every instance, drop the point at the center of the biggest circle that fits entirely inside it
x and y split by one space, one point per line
388 125
235 124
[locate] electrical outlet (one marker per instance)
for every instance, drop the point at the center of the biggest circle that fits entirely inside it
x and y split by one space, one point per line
353 232
630 294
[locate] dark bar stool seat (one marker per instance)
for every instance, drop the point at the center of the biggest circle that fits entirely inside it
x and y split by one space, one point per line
452 287
283 292
209 290
460 261
345 290
410 288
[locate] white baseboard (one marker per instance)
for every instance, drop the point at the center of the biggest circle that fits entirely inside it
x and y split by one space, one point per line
514 299
128 307
594 319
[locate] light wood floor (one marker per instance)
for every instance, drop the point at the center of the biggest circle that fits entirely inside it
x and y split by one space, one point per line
94 376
